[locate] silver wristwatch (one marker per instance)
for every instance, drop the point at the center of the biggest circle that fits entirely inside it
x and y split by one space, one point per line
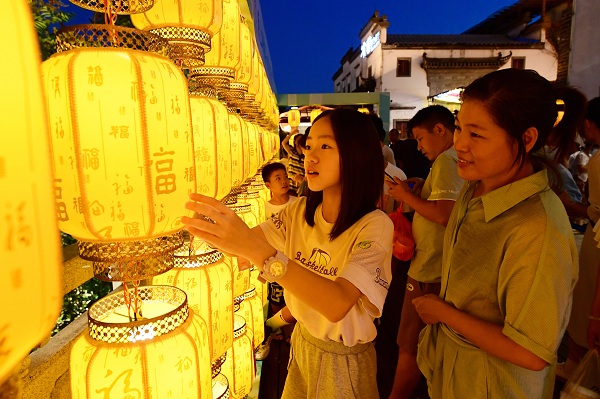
275 267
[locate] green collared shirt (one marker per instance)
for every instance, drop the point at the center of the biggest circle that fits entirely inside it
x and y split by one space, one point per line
510 258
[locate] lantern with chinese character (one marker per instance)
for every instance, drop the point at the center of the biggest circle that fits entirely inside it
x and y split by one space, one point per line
30 275
239 366
213 145
163 354
220 63
188 25
251 308
207 280
239 133
238 88
236 123
123 156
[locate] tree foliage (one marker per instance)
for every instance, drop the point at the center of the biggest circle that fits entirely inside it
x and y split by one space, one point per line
47 16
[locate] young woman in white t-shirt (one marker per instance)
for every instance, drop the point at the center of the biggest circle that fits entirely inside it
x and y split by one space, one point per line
331 251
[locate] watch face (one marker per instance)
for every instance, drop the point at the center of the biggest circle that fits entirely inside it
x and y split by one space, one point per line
277 268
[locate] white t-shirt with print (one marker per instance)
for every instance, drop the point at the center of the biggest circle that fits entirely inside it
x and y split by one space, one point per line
361 255
273 210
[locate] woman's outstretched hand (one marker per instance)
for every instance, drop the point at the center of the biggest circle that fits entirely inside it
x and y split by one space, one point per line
218 225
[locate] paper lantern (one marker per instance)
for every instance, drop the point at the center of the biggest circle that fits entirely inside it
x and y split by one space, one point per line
221 61
241 278
30 275
253 147
240 157
293 118
207 280
256 202
164 354
251 308
239 368
314 113
188 25
364 110
262 289
243 72
123 152
213 146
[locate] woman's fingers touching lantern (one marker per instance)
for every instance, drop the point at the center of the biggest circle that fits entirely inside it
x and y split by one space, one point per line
216 224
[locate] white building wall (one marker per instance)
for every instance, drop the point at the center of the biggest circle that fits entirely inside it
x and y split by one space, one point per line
584 68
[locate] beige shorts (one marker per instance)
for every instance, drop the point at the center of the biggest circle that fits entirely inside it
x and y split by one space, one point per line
329 370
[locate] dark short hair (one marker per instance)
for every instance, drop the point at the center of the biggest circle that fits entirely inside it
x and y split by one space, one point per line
430 116
593 111
361 168
268 170
379 126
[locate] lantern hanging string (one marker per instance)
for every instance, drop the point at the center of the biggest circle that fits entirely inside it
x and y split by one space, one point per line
137 309
110 18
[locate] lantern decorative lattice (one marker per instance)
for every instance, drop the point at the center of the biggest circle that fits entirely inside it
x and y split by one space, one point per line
30 275
164 354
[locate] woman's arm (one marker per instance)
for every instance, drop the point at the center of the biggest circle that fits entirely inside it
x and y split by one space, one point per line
332 298
285 143
487 336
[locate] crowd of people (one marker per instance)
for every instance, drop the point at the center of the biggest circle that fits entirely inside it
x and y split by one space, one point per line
496 283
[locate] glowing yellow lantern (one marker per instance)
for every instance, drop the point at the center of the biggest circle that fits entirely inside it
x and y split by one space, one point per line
239 368
253 147
213 146
224 57
261 287
188 25
30 275
207 280
164 354
241 278
237 132
364 110
238 88
251 308
293 118
123 152
256 202
314 113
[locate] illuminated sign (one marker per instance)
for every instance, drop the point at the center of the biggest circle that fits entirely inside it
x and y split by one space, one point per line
369 45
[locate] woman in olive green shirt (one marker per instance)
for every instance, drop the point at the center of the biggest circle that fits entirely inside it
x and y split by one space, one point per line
510 260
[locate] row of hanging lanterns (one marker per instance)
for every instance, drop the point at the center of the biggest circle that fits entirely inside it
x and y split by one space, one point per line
137 119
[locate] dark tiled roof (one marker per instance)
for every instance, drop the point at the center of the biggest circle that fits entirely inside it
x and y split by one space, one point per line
462 40
510 16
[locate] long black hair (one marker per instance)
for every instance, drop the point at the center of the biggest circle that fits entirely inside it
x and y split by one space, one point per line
361 168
